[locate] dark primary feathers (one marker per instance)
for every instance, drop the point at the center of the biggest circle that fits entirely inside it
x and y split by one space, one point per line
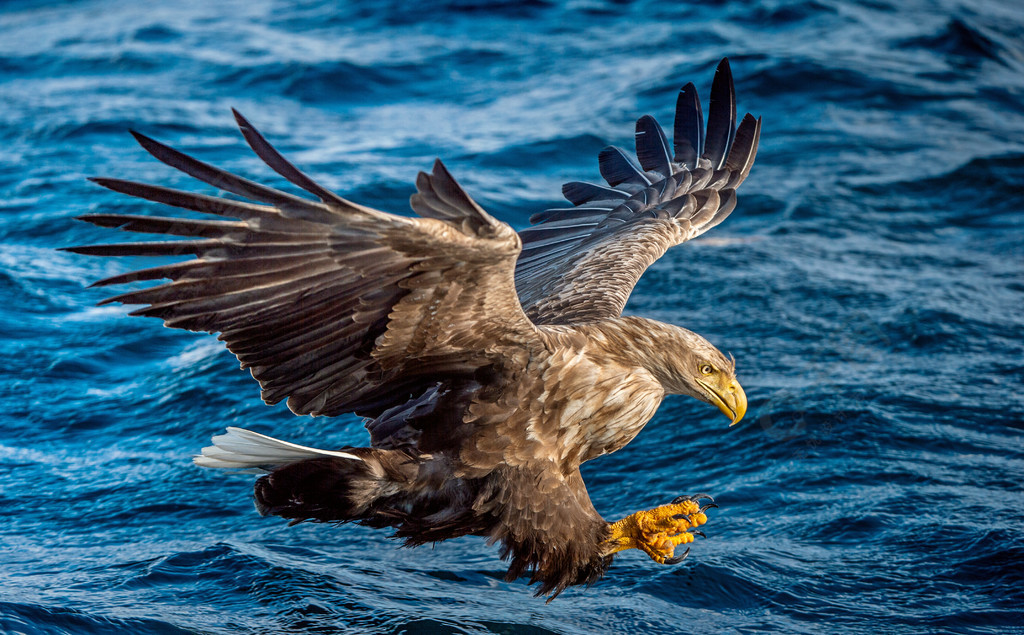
581 263
326 302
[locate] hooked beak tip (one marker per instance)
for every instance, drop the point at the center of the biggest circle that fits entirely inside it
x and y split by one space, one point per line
732 402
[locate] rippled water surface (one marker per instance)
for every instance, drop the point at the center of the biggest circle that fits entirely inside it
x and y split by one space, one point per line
870 285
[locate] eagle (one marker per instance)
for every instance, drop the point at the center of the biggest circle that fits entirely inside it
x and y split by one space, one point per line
488 364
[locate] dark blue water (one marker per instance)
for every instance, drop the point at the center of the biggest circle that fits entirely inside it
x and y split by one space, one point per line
870 285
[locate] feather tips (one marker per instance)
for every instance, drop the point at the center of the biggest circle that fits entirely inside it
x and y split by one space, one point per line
652 147
282 166
616 167
217 177
578 193
721 116
438 195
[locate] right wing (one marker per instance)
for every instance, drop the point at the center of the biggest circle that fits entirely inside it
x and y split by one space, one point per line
335 306
580 264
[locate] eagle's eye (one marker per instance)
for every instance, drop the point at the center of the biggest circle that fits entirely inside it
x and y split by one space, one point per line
706 369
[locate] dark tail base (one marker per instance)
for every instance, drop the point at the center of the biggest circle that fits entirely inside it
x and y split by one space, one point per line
315 489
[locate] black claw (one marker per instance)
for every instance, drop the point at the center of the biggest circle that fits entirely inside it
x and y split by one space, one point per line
692 497
681 516
697 532
707 506
678 559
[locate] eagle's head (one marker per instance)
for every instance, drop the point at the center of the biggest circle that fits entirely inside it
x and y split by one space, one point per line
688 364
710 376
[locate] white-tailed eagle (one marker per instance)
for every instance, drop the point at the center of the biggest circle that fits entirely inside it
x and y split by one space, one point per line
488 364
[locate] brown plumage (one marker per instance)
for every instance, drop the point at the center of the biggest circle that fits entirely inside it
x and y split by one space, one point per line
489 364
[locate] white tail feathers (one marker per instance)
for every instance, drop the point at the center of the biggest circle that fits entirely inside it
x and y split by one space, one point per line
251 451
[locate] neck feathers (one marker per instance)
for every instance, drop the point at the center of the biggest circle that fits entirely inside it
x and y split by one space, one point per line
664 350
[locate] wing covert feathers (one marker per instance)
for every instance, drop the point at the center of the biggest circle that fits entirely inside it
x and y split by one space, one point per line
439 196
581 263
334 306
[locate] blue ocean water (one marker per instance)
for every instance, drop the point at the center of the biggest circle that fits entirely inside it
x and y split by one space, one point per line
870 285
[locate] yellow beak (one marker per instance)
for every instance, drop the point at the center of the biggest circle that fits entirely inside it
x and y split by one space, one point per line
732 401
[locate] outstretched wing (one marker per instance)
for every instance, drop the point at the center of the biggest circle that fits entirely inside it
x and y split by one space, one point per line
581 263
335 306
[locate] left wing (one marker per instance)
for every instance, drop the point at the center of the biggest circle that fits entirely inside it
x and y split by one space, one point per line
335 306
581 263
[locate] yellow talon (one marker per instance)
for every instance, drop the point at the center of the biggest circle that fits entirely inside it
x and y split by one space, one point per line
656 532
